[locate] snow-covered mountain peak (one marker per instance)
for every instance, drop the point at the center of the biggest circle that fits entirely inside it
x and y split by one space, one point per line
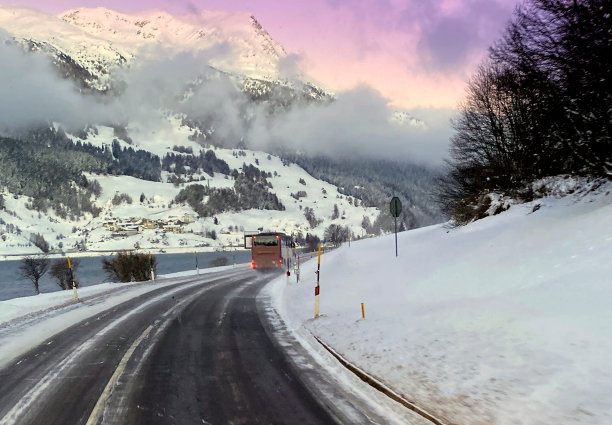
93 42
256 54
403 118
90 57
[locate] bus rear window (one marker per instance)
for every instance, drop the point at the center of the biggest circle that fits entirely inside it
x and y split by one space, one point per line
265 241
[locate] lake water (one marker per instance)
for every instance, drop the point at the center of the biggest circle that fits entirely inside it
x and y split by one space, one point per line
90 272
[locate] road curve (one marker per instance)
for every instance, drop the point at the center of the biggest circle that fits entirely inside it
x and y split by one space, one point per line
192 353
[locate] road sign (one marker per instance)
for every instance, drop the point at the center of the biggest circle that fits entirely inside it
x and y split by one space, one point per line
395 206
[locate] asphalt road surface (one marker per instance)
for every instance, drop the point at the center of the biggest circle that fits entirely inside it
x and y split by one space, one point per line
198 352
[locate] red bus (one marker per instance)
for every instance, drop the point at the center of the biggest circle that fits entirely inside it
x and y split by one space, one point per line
267 250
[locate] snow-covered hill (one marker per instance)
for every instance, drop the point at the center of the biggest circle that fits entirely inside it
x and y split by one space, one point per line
503 321
18 223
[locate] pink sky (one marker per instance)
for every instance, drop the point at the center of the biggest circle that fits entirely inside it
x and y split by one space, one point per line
415 52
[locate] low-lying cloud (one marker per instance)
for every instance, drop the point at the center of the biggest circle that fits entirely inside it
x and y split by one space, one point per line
32 92
356 123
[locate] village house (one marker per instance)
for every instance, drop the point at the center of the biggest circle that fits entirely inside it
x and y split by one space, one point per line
134 225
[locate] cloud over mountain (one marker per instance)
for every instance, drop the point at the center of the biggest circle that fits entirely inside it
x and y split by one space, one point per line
32 92
159 80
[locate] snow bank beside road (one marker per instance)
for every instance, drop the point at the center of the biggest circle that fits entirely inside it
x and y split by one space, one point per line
28 321
18 307
504 321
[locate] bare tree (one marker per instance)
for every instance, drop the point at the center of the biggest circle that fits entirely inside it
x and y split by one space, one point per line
312 242
311 218
128 266
337 234
564 46
34 268
539 106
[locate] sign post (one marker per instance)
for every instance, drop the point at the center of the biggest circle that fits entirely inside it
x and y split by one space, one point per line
317 287
396 208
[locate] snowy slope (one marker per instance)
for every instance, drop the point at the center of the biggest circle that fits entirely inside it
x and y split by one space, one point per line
286 182
89 231
504 321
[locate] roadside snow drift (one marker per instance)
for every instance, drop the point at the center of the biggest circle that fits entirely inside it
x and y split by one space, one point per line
504 321
28 321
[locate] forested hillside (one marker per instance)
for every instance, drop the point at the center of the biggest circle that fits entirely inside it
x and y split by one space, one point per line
539 106
376 182
47 166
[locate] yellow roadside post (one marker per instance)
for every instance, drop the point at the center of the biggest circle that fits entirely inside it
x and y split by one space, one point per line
76 295
317 288
362 311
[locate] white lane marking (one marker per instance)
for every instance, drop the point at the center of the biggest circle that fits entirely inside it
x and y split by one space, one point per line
226 302
94 417
41 386
97 410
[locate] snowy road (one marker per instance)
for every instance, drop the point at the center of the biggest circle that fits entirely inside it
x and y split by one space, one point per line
198 352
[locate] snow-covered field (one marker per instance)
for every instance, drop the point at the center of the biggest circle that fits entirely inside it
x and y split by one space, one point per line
504 321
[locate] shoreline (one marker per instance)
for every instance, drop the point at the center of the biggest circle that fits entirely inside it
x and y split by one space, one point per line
109 252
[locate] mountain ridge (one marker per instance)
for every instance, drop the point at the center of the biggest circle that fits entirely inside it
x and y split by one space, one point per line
101 40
